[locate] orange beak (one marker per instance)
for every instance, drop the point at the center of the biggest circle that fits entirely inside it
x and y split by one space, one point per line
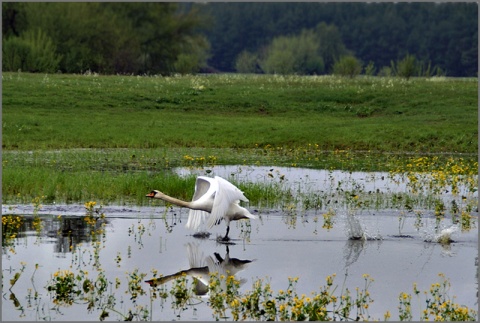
151 194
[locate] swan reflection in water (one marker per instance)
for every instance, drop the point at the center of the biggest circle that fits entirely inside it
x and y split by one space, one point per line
202 267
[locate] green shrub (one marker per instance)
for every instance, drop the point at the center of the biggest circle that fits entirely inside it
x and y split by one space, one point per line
370 69
193 55
294 55
33 51
15 52
280 57
405 68
347 66
186 64
246 62
385 71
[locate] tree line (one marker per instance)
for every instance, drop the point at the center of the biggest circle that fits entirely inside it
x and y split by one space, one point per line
286 38
102 37
442 35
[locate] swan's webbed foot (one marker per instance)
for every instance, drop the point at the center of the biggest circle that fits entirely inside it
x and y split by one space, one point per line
225 240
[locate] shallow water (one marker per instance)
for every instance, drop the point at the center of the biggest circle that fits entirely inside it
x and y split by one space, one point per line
389 245
301 178
320 180
278 246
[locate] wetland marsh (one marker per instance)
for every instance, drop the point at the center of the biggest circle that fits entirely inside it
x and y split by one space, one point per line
374 254
351 224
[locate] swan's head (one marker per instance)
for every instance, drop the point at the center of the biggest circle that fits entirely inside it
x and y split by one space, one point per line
154 194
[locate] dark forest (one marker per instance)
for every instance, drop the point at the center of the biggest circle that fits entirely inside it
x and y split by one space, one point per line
165 38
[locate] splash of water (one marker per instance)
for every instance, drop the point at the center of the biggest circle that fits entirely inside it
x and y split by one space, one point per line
355 231
444 236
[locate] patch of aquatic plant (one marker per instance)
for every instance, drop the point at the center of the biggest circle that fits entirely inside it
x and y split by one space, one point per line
11 226
269 193
64 287
428 174
227 301
95 222
328 219
440 306
135 284
67 288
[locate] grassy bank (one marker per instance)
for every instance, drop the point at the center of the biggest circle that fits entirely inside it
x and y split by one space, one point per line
368 124
126 175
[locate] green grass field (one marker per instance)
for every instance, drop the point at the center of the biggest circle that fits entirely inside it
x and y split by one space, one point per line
163 122
239 111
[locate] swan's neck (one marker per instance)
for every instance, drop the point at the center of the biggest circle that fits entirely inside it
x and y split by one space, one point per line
173 200
190 205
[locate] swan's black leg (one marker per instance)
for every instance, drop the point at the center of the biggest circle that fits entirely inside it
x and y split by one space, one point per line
226 238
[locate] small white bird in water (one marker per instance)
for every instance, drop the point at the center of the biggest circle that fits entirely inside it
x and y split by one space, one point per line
216 196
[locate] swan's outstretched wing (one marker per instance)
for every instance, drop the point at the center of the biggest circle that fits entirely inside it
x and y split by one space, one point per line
226 195
205 188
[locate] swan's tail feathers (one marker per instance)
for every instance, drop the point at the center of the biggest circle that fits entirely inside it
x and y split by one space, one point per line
195 219
252 216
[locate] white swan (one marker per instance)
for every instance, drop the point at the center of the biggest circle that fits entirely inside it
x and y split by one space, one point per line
216 196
